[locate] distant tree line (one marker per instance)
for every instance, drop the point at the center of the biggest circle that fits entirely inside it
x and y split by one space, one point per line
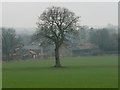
104 39
9 43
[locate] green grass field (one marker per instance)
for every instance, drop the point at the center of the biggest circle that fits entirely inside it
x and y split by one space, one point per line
0 74
79 72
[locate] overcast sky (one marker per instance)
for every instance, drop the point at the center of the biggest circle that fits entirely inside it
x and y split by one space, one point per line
25 14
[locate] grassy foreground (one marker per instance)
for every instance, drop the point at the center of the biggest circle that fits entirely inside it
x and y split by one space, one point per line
79 72
0 74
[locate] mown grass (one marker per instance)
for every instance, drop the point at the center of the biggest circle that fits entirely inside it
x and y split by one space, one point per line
0 74
78 72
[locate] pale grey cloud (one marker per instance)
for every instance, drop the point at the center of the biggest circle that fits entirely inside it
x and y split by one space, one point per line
25 14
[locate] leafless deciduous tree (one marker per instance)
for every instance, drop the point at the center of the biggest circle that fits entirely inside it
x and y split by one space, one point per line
55 26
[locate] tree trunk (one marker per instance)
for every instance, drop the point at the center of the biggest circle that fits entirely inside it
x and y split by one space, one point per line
57 59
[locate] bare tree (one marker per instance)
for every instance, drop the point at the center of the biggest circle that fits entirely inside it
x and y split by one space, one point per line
9 42
56 25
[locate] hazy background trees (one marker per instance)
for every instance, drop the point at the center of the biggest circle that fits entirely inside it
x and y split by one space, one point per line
89 41
9 42
104 39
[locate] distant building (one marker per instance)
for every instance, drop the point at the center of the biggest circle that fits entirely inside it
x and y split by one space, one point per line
85 49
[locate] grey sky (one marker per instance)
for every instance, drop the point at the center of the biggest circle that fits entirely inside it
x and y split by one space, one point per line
25 14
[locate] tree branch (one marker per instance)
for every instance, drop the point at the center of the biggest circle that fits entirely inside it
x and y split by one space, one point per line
70 23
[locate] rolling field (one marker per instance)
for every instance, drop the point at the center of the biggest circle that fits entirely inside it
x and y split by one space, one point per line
78 72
